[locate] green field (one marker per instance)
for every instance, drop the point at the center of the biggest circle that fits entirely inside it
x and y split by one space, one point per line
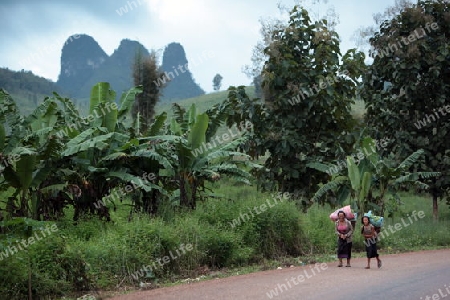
202 102
206 101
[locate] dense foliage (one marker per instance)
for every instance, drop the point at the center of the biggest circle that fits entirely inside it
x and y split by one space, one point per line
55 157
306 116
407 87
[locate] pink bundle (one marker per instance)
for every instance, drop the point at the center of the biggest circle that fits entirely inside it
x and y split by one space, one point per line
348 213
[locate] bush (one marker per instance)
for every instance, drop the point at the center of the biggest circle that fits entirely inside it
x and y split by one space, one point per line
55 270
279 231
319 230
271 233
218 247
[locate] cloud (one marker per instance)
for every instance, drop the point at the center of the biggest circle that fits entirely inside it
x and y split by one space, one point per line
229 29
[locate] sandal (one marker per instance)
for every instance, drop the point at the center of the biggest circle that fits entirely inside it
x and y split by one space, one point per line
380 264
348 266
340 265
367 268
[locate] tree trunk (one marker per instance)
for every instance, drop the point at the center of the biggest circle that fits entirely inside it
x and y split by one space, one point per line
435 207
154 201
194 194
382 207
183 194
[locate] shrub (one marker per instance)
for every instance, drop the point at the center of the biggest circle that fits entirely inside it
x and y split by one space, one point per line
55 270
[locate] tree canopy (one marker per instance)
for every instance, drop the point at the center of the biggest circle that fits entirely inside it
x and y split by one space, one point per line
308 88
407 86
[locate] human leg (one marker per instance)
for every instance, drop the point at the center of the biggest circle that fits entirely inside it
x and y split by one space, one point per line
349 254
377 256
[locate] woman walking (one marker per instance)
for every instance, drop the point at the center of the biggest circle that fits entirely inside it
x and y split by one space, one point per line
370 240
344 231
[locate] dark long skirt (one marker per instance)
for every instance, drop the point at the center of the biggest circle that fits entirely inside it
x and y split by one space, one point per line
344 249
371 249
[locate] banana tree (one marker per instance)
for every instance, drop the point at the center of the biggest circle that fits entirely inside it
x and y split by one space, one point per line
88 142
108 153
144 160
36 168
391 179
356 184
196 158
372 173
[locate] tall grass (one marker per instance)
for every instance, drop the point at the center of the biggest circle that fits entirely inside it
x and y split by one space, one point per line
101 255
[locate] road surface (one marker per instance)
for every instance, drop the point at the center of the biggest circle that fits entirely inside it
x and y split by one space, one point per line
423 275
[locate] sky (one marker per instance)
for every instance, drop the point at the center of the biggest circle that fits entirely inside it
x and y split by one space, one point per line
218 36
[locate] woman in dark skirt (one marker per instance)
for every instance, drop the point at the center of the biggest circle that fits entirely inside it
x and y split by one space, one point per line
370 240
344 230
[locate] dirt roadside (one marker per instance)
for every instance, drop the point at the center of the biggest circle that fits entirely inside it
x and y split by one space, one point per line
403 276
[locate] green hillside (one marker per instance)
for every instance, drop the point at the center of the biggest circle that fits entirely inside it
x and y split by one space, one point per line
202 102
206 101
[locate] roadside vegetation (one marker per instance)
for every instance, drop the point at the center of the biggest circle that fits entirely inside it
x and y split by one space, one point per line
136 195
100 258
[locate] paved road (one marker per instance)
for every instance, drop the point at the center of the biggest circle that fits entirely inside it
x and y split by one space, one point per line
417 275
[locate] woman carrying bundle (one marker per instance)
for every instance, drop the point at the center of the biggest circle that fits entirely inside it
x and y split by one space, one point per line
344 230
370 240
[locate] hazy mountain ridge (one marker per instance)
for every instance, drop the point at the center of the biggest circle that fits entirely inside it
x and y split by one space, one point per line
79 60
25 81
84 63
176 69
26 88
116 69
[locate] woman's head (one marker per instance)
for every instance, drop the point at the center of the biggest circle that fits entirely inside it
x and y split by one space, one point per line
365 220
341 215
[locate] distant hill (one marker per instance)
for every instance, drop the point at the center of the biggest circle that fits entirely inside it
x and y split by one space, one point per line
18 81
84 63
80 58
206 101
26 88
202 102
176 69
116 69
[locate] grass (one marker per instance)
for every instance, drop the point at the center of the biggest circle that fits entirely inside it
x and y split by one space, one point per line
202 102
107 253
206 101
320 230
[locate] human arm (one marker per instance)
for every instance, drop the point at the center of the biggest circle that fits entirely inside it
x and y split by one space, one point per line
373 233
350 229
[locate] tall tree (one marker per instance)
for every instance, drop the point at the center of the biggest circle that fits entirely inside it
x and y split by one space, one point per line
146 73
217 82
308 94
407 85
362 35
272 24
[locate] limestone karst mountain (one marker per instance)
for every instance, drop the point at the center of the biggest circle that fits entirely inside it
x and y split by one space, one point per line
84 63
